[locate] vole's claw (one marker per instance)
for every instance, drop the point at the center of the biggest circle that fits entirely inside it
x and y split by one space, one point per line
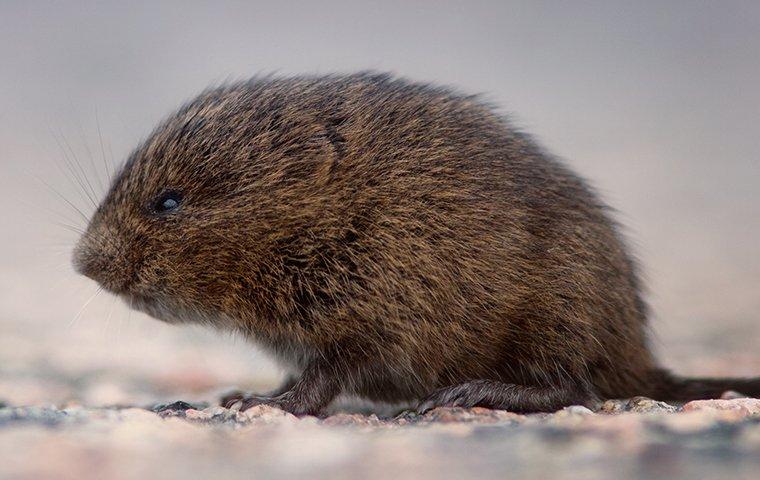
252 400
231 398
424 407
432 402
243 401
463 395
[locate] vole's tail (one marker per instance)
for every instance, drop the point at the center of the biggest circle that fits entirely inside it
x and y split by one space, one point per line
668 386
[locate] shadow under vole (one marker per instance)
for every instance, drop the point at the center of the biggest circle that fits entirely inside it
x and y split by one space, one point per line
392 240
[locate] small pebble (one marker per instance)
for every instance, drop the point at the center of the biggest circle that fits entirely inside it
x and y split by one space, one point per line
577 410
647 405
178 406
267 414
353 419
636 405
741 407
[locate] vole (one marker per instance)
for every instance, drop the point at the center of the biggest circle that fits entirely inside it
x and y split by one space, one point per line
394 240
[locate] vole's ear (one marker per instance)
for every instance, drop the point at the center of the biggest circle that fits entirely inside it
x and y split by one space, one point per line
333 147
312 152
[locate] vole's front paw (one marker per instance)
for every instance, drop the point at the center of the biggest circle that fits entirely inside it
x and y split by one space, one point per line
285 402
230 399
243 401
249 401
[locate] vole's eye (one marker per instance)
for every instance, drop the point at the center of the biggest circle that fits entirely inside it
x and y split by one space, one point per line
167 202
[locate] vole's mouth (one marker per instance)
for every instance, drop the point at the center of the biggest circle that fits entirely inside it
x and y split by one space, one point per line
136 300
120 288
157 306
149 305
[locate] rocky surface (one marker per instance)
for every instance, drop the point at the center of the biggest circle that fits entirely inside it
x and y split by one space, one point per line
142 404
636 438
136 399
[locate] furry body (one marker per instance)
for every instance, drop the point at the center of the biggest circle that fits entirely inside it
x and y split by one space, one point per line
390 239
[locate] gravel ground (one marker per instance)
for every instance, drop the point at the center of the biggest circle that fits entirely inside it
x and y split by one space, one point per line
81 403
637 438
86 402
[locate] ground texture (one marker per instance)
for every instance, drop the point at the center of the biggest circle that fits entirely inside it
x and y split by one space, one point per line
106 397
637 438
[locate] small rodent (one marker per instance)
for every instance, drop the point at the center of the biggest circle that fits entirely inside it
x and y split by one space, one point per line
389 239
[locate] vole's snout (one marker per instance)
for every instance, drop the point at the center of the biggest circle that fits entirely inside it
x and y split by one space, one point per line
83 260
98 261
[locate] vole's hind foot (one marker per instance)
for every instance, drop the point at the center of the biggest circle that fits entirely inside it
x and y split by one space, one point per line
235 396
287 401
504 396
247 401
243 401
230 399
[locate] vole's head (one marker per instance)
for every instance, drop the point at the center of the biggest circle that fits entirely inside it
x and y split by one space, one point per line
197 223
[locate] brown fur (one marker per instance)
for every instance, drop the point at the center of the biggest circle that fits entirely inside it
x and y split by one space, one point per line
395 240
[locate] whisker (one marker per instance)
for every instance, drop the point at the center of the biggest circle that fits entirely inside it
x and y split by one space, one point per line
70 172
110 314
66 200
60 248
82 171
114 164
81 310
62 266
70 228
91 157
131 308
109 173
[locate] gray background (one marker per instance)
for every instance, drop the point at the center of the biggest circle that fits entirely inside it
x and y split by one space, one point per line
656 102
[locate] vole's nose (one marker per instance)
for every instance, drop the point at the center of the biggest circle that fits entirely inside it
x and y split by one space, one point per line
85 260
101 260
94 259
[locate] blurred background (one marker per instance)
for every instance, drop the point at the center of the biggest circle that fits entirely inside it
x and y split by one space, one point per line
656 102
